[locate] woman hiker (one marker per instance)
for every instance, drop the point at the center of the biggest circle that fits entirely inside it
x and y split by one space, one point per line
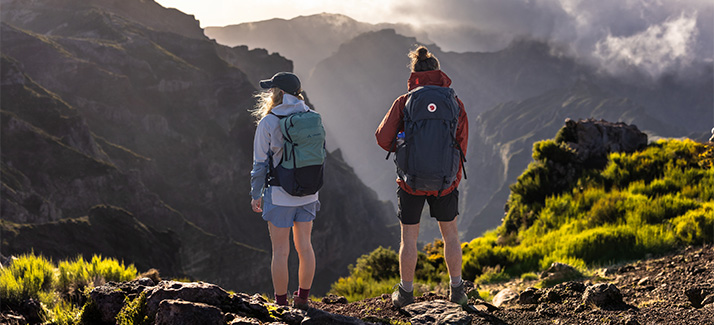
283 212
443 204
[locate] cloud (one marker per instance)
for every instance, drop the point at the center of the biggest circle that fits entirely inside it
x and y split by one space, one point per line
655 50
651 35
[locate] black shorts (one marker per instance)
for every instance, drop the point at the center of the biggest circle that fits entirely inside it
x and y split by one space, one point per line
443 208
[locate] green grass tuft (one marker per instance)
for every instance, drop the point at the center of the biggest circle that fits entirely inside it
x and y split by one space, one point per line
61 288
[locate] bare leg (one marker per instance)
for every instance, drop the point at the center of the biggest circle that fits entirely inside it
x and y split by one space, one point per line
408 252
452 247
302 236
280 238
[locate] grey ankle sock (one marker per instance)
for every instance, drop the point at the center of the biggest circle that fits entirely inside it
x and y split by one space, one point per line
408 286
455 281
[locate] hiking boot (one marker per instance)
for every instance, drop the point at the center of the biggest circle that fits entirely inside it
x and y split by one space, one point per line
300 303
457 294
401 298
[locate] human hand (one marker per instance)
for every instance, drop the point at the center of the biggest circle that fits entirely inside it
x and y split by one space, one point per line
256 204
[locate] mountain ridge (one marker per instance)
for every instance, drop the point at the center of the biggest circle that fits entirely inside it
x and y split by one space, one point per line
359 81
162 118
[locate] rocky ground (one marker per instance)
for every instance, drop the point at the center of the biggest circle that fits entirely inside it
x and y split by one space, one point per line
673 289
665 290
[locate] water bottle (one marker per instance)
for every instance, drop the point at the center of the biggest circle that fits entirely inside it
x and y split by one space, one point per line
400 138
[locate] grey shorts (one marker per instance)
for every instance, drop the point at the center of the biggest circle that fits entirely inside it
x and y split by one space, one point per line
283 217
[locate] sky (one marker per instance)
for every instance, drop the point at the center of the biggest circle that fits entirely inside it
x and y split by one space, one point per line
229 12
653 35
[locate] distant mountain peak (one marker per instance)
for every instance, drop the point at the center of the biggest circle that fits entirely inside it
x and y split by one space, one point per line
327 16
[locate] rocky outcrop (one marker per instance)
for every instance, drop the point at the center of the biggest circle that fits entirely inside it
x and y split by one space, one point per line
507 132
177 303
206 293
593 140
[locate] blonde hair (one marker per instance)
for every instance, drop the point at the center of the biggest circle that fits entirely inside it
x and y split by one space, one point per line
266 100
422 60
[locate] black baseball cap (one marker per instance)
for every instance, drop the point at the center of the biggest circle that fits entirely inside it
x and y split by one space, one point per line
286 81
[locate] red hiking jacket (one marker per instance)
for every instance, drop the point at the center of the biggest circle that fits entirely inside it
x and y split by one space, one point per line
393 123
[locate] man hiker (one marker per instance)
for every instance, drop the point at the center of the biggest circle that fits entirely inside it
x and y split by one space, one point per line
427 128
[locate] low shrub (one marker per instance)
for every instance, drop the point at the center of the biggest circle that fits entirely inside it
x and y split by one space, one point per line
77 274
62 289
28 277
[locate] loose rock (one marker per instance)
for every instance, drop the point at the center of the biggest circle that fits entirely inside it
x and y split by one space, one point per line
698 295
505 297
559 272
602 295
437 312
529 296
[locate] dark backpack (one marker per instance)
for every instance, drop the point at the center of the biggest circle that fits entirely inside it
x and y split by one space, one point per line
301 168
429 157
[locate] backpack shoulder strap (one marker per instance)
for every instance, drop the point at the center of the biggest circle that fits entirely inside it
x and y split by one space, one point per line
279 116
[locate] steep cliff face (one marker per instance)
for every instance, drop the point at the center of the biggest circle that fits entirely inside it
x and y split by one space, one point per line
103 107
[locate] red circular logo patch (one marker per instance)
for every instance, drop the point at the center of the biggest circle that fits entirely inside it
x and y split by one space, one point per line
431 107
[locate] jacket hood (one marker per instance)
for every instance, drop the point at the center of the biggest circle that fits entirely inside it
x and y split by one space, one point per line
290 105
428 78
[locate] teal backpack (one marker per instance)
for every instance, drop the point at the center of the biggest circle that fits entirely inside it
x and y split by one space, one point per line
302 166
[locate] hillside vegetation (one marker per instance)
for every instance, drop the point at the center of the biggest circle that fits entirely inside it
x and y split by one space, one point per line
58 292
645 203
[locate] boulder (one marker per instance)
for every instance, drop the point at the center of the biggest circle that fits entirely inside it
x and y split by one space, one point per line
505 297
179 312
206 293
437 312
592 140
602 295
560 272
108 301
